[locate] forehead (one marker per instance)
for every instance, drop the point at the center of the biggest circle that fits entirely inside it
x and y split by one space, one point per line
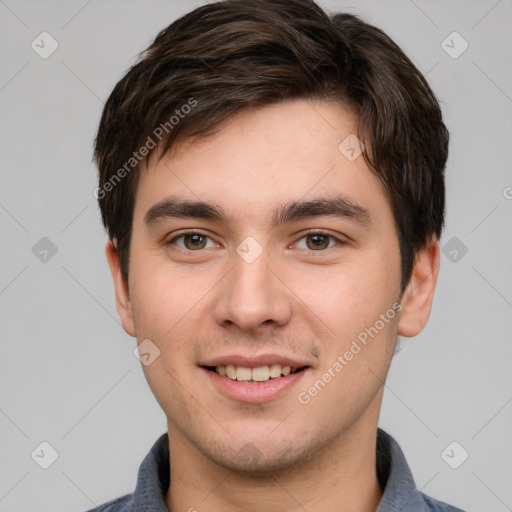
263 158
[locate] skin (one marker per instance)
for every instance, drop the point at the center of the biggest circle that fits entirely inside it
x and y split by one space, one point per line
309 303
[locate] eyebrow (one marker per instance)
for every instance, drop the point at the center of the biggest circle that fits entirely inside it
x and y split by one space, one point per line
339 206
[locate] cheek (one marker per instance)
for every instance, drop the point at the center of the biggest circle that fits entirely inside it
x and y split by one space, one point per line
168 309
163 298
352 295
163 313
356 303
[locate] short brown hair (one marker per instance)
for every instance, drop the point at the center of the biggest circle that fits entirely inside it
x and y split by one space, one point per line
229 56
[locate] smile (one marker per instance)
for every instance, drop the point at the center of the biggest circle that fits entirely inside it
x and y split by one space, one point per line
259 374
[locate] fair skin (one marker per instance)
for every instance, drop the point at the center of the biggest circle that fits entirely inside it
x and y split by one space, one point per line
237 445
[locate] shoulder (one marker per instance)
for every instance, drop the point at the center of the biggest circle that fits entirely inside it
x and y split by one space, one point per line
433 505
121 504
397 482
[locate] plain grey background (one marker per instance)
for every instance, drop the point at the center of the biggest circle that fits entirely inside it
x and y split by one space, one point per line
68 375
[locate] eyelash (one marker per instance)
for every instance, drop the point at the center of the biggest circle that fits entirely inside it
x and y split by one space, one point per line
308 233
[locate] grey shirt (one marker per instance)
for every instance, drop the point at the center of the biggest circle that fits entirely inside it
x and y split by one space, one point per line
395 478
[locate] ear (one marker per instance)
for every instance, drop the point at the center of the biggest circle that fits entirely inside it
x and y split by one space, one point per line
419 294
123 302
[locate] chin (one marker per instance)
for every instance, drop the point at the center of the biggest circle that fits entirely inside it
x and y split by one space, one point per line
267 462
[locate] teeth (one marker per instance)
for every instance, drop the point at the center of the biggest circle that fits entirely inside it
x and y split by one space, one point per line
259 374
231 371
243 373
275 370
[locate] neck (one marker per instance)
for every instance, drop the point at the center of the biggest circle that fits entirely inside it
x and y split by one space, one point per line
342 476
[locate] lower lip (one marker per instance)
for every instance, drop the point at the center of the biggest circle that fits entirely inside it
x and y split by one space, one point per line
254 392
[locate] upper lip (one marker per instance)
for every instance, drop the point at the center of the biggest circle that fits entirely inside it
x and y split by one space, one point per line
255 361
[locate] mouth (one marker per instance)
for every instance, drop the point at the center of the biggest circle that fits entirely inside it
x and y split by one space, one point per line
255 378
257 374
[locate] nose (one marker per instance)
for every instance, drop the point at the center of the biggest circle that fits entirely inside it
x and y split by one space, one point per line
253 295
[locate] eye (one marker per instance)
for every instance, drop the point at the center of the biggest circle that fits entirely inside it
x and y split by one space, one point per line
318 241
314 241
192 241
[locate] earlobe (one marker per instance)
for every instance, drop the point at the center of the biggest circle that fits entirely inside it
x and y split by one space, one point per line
123 302
419 294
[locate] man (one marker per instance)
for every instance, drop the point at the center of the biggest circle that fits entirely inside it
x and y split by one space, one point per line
271 179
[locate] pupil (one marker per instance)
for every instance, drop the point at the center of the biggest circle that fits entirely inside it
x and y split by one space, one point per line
195 241
319 241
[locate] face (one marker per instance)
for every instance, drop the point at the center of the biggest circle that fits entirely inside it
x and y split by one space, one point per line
265 268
